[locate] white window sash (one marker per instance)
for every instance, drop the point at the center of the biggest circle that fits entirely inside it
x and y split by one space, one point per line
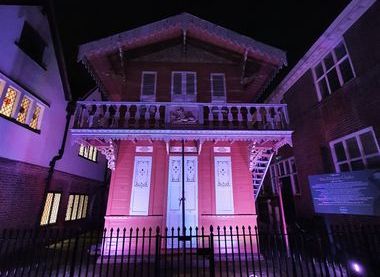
148 97
218 98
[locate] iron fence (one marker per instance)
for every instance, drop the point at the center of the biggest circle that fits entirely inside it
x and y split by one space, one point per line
220 251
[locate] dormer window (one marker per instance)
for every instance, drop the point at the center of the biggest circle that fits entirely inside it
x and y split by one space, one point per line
148 86
32 44
333 71
184 86
218 87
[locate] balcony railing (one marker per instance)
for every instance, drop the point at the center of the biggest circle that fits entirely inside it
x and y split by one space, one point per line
172 115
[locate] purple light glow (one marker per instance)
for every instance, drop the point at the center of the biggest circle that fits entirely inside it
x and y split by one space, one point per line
356 267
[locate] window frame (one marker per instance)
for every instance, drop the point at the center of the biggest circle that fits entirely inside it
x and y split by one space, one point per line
87 158
6 83
148 98
26 51
79 209
184 97
363 157
335 66
218 98
48 223
276 172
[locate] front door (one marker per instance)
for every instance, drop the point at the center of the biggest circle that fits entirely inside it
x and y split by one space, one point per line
174 210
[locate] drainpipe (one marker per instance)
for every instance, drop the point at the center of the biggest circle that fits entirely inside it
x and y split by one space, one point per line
70 108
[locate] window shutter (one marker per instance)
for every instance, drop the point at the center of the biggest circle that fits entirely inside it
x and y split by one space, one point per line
190 84
149 84
177 83
141 186
218 88
223 186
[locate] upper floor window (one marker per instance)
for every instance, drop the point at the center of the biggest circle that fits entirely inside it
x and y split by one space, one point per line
88 152
356 151
333 71
32 43
76 207
184 86
148 86
20 106
9 102
218 87
50 212
282 169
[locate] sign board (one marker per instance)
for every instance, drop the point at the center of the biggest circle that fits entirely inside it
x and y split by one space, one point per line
356 192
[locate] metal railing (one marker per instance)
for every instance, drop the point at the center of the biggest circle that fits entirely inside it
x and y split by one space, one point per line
232 251
171 115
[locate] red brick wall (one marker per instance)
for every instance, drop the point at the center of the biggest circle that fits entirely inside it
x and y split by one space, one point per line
235 91
22 188
350 108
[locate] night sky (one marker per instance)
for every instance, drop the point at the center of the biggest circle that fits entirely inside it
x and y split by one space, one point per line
289 25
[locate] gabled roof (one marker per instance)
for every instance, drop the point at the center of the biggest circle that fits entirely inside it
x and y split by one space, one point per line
178 24
325 43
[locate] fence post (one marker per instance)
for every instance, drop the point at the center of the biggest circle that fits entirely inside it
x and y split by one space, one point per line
211 259
157 259
72 268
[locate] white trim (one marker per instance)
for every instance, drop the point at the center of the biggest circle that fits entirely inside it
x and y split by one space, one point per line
334 33
167 135
184 97
150 98
218 98
335 66
276 173
363 157
224 194
140 206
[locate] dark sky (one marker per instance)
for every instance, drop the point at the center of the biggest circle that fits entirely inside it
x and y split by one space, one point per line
289 25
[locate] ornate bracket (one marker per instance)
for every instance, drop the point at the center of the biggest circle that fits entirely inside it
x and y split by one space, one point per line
110 151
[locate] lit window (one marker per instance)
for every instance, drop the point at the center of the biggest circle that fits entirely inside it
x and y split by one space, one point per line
333 71
23 111
148 85
184 86
35 117
88 152
50 212
282 169
76 207
9 102
218 87
356 151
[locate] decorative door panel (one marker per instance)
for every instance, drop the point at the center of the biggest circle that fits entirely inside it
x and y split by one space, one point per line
174 211
223 186
141 185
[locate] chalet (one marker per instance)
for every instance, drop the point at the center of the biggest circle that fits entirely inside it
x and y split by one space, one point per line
181 113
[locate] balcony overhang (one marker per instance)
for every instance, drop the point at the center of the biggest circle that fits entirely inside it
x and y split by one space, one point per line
187 135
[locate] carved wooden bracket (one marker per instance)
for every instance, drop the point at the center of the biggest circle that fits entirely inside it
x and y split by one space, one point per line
110 152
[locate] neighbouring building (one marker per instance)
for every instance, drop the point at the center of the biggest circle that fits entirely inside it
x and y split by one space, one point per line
33 102
333 101
182 79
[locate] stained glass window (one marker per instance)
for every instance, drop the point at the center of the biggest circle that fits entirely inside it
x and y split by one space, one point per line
35 117
23 111
76 207
88 152
9 102
50 212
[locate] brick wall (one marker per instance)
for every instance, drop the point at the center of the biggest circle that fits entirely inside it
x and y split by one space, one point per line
22 188
350 108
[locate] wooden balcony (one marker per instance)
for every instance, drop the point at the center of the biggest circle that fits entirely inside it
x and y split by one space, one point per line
180 116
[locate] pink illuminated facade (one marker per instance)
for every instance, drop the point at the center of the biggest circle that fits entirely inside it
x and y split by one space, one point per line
182 79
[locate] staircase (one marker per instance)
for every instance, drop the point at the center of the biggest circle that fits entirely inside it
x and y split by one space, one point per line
260 159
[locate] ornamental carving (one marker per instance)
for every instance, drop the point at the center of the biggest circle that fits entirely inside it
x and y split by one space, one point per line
223 173
181 115
190 170
142 174
110 151
175 170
